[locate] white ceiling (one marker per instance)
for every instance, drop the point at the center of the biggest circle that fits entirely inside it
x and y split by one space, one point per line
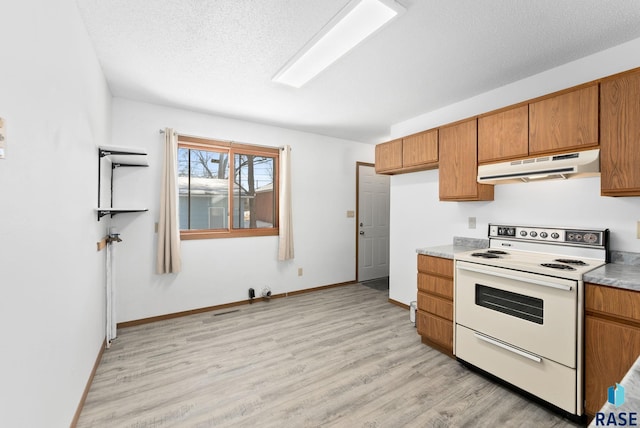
218 56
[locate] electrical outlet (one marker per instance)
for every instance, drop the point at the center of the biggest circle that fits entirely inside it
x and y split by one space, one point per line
472 222
299 271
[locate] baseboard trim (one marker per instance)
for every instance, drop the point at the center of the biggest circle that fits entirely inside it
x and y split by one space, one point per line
87 387
402 305
226 305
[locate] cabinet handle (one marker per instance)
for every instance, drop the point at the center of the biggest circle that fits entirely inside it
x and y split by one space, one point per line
516 278
508 348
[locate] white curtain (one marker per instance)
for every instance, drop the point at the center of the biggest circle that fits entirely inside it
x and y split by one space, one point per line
285 250
168 258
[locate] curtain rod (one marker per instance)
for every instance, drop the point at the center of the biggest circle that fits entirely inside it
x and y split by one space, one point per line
226 141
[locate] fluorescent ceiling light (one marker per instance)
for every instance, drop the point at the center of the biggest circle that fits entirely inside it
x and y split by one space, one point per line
357 21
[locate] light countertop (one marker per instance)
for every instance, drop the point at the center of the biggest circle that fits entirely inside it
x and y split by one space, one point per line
459 245
615 275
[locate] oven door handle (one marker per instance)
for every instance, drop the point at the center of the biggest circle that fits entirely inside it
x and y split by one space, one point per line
508 348
517 278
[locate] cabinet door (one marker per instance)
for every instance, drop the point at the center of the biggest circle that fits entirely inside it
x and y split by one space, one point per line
435 329
504 135
620 136
420 149
389 156
458 172
564 122
611 348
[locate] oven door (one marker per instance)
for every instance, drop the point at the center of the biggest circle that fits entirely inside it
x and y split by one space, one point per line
535 313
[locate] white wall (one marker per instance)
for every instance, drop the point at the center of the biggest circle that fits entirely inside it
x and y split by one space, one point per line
218 271
56 104
418 219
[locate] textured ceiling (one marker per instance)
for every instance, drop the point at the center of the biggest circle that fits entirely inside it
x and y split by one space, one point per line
218 56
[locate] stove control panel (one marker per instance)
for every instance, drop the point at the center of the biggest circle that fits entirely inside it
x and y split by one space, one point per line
549 234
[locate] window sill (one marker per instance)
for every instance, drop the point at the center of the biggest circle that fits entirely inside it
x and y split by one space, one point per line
186 235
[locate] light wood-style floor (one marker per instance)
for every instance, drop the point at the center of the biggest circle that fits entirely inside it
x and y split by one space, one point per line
340 357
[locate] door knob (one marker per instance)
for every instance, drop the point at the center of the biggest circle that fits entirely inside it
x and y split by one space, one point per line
362 232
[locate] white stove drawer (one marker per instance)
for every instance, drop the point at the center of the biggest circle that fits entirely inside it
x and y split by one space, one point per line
541 377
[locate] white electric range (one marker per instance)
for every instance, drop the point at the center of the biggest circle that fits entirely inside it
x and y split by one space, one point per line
519 309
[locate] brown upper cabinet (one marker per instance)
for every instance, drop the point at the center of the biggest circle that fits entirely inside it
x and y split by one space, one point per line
389 156
556 124
458 146
603 113
413 153
620 135
503 135
565 122
420 149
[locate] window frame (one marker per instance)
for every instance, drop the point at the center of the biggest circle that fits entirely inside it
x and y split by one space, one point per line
234 149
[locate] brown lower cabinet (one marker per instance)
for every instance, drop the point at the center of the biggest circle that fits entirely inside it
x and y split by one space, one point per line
612 340
434 317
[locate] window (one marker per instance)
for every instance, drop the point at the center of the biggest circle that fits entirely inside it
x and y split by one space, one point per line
226 189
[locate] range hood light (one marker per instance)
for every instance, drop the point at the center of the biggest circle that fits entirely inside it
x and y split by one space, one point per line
544 177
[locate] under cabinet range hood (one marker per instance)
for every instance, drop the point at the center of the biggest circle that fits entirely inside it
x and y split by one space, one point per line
577 164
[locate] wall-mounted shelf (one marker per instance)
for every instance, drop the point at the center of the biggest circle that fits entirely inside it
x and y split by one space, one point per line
113 211
118 157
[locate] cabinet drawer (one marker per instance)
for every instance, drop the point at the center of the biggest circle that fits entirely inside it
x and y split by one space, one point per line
435 305
435 329
535 377
624 304
443 287
435 265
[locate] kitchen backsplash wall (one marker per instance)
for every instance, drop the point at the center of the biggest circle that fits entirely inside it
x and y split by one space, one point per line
625 258
419 220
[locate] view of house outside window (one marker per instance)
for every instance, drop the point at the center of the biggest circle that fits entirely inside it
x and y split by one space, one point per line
253 191
204 183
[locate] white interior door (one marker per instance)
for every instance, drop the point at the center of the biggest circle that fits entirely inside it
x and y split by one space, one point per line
373 224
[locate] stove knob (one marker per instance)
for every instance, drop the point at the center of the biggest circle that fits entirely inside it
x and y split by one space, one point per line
523 233
543 234
533 234
555 235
